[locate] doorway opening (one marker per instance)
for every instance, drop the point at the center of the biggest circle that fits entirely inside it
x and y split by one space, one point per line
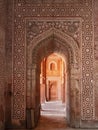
53 79
53 86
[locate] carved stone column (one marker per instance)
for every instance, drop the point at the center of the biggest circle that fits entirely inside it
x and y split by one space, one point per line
33 96
31 92
75 100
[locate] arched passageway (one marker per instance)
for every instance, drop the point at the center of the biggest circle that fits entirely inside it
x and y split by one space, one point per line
41 47
53 88
53 78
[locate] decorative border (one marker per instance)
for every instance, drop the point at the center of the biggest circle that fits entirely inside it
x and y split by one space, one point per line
23 10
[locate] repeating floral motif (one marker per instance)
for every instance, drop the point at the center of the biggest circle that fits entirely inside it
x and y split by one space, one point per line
24 10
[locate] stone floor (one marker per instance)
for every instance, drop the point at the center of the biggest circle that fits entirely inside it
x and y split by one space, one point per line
53 117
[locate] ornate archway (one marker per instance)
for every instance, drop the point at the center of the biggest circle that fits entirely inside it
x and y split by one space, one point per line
42 46
31 21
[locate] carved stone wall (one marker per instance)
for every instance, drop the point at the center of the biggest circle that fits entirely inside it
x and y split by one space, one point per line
32 19
96 56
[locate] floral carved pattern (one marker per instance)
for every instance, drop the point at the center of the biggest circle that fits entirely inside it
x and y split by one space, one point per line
71 27
23 11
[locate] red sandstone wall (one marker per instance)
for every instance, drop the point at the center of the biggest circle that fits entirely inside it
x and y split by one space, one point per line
8 54
2 61
96 55
96 28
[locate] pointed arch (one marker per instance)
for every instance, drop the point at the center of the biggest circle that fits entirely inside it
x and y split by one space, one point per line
63 38
42 46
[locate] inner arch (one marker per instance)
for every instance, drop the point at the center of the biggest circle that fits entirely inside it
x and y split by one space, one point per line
53 43
55 35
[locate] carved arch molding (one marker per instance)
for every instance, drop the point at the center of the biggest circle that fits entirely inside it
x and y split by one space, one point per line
30 21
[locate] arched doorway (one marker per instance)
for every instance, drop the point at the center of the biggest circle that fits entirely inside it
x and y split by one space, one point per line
42 46
53 84
52 78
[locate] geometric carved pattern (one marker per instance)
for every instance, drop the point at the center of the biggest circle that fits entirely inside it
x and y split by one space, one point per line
60 26
95 3
23 10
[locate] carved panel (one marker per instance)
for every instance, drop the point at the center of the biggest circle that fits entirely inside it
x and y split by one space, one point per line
70 26
22 10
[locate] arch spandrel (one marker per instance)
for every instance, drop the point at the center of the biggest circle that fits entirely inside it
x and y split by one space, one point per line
65 38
